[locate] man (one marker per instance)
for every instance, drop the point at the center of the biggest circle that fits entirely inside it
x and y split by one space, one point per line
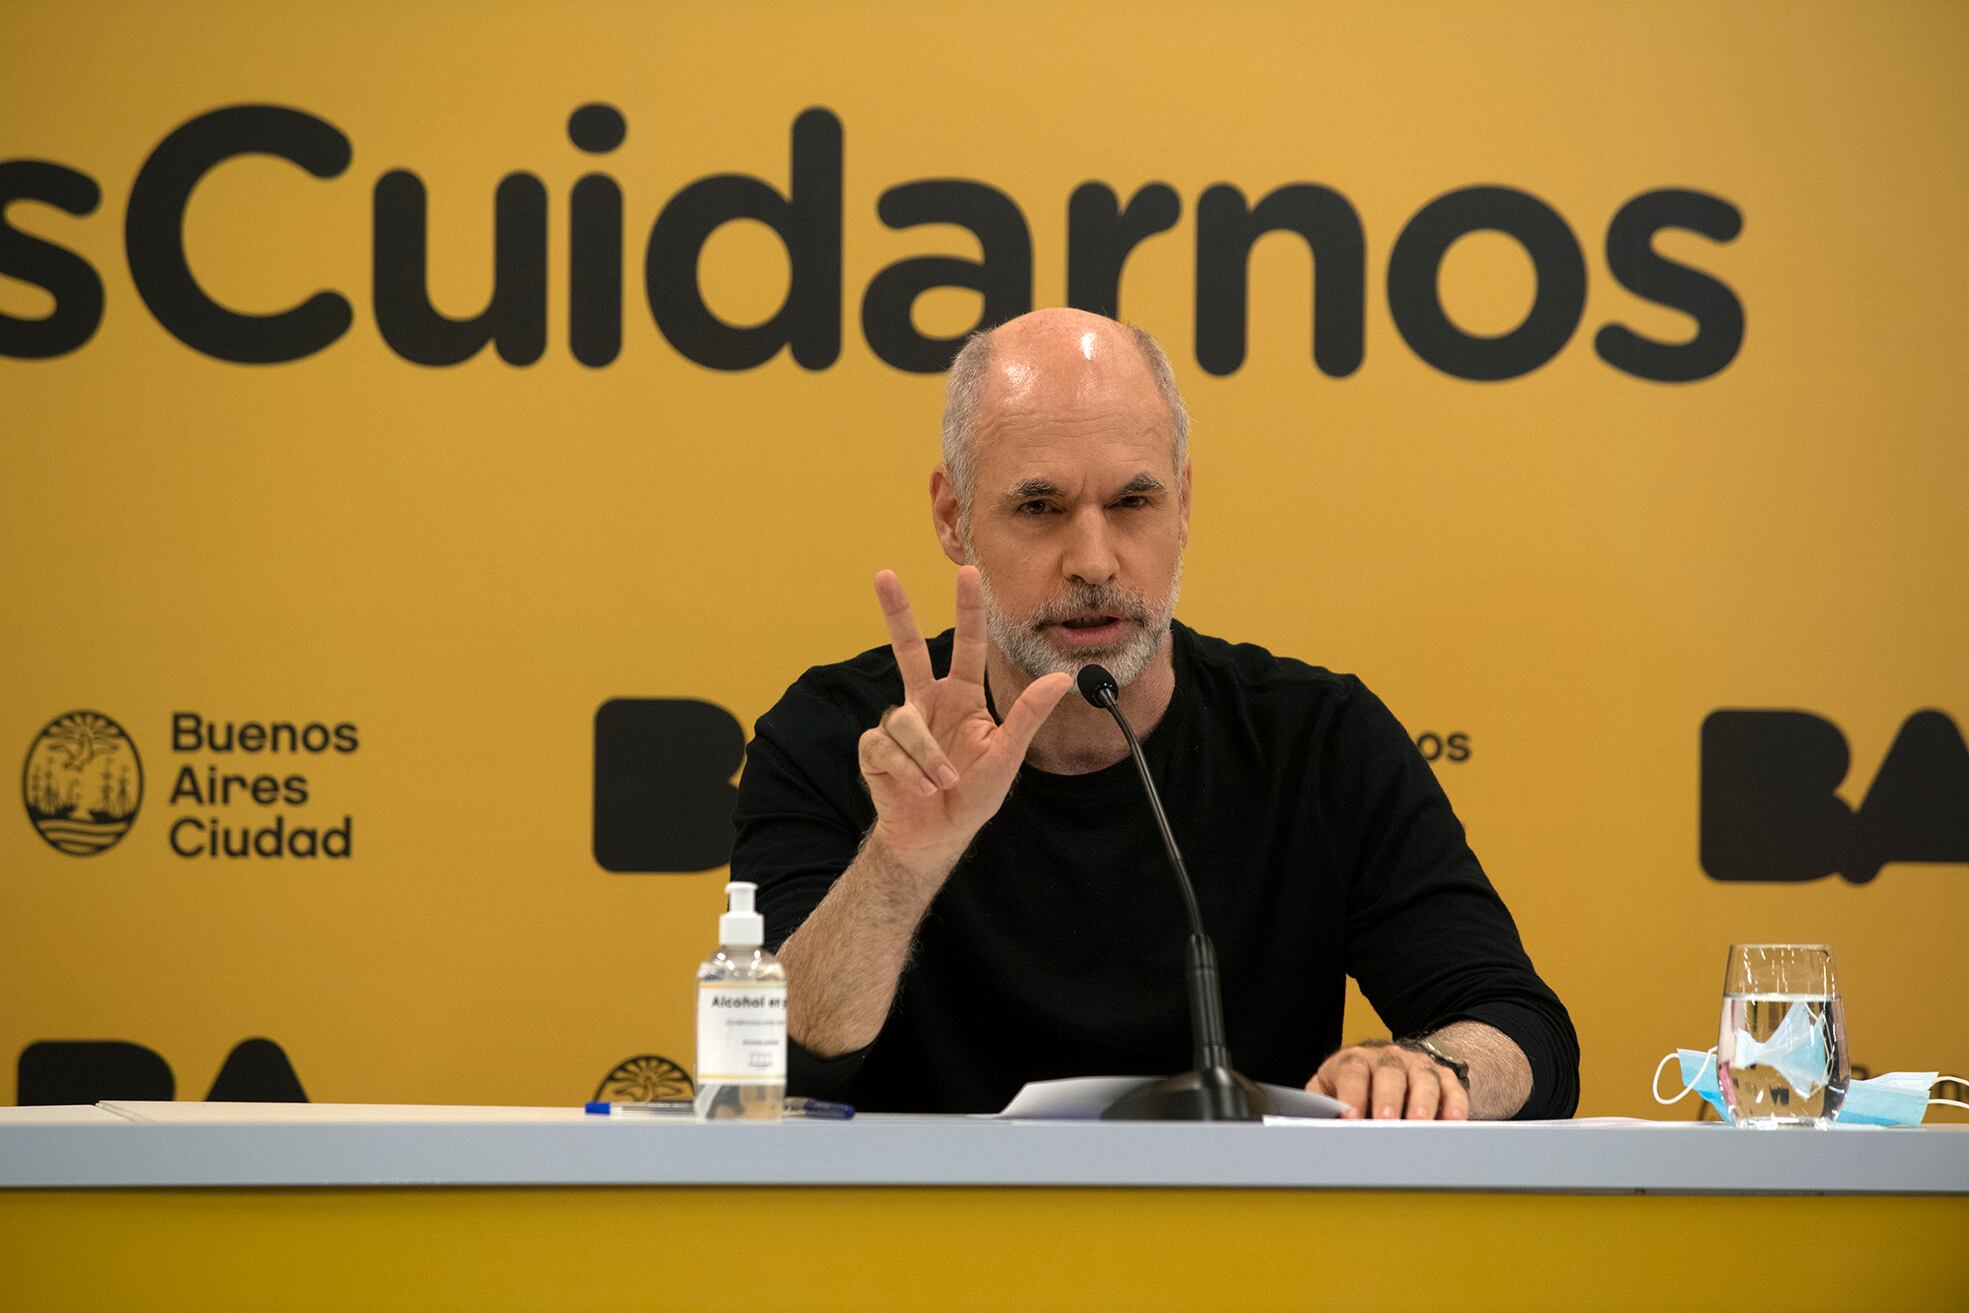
965 903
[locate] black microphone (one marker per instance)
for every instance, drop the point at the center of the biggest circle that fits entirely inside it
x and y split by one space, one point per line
1213 1092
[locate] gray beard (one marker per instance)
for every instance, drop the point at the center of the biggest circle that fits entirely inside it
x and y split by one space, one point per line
1026 647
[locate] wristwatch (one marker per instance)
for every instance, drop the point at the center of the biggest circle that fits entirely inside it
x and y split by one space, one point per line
1423 1044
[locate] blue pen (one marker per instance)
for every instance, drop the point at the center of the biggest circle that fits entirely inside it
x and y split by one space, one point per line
669 1107
816 1109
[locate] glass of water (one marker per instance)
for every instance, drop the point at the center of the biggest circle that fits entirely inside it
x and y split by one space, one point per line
1781 1050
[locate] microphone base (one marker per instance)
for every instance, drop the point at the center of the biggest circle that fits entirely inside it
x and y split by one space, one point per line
1214 1094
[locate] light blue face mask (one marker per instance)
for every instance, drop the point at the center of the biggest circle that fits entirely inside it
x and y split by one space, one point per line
1898 1098
1796 1050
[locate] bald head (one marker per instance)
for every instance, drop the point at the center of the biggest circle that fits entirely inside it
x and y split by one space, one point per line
1056 362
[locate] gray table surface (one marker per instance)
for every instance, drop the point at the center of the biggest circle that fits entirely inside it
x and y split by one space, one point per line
241 1145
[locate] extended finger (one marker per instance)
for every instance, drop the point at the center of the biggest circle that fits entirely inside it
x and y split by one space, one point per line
1390 1084
912 653
1346 1077
882 755
967 650
1032 709
1425 1094
906 727
1456 1101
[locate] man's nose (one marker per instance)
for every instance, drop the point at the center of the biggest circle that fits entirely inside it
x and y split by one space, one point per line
1090 555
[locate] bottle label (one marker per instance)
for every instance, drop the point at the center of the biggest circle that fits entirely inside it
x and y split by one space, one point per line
741 1033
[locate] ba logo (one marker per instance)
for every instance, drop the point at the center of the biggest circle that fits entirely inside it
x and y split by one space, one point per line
664 795
1769 810
82 783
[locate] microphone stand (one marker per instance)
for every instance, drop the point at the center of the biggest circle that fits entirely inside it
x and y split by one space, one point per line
1214 1091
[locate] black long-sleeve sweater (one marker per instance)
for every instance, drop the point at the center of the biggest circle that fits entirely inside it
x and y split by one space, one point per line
1318 839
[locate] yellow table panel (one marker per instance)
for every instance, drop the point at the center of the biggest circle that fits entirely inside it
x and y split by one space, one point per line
867 1249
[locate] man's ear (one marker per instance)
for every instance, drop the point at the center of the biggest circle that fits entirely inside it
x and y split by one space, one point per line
945 513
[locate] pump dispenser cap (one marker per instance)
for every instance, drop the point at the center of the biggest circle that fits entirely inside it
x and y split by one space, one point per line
740 926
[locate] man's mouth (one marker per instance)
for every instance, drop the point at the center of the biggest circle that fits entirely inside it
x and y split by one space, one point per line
1092 629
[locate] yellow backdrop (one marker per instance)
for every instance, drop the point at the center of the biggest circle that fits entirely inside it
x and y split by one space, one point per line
1571 568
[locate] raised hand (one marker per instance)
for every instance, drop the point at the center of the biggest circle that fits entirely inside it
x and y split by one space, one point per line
938 767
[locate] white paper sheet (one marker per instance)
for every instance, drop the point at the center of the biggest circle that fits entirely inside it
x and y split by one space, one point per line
1630 1123
56 1114
278 1114
1085 1098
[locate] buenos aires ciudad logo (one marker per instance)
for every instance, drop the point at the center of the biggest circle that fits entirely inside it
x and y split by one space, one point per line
82 783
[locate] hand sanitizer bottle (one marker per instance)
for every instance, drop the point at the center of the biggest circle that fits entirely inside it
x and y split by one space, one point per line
741 1019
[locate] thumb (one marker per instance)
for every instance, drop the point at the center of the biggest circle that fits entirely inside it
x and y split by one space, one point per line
1032 709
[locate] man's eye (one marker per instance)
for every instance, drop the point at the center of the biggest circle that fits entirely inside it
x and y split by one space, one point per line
1031 508
1133 502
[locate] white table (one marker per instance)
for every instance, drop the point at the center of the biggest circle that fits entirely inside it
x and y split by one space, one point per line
210 1207
123 1145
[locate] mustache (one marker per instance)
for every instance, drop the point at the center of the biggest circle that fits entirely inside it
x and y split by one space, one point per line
1106 599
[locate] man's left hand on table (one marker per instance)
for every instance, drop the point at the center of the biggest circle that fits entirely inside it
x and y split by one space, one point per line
1387 1082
